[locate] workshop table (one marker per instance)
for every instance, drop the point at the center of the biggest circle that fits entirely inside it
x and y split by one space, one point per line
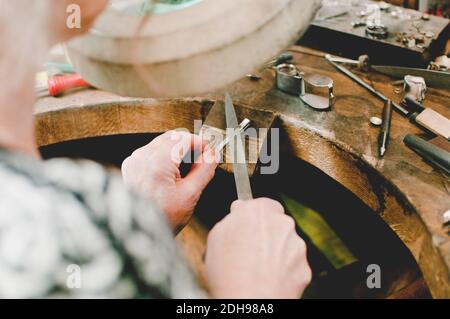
406 192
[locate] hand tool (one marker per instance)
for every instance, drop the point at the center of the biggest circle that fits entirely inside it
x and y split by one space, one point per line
428 118
237 149
383 139
358 80
433 78
57 85
431 153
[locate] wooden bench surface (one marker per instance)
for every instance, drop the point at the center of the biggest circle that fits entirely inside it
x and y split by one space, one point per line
408 194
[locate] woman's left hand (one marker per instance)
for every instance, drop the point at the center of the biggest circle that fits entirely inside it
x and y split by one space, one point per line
153 172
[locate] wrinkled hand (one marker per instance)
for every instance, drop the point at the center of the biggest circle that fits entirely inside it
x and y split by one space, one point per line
255 252
153 172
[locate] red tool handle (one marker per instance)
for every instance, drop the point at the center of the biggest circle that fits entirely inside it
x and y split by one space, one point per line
59 84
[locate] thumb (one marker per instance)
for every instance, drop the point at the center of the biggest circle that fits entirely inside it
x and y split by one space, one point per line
201 173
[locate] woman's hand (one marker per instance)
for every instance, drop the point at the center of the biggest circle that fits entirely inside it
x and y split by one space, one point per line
153 172
255 252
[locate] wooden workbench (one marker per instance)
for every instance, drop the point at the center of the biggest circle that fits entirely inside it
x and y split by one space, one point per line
410 195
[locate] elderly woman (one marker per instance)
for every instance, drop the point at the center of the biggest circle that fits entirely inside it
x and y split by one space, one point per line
59 217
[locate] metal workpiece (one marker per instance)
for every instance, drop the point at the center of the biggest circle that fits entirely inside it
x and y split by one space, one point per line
415 88
220 147
379 32
375 121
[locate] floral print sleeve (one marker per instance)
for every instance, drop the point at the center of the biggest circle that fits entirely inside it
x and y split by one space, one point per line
71 229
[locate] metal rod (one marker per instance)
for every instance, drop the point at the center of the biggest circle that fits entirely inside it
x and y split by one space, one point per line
358 80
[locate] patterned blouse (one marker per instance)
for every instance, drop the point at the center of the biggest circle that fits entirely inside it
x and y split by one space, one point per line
70 229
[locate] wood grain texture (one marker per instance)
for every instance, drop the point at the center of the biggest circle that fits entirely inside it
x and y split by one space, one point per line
408 194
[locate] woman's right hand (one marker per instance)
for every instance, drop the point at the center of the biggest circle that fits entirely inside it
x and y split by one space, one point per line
255 252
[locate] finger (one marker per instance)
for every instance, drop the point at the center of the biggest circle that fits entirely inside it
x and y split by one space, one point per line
176 145
259 204
236 205
271 205
201 173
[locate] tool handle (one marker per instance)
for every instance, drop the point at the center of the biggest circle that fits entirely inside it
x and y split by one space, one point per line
413 105
428 118
431 153
383 139
59 84
434 122
387 116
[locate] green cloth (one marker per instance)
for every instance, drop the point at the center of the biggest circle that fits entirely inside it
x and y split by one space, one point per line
320 233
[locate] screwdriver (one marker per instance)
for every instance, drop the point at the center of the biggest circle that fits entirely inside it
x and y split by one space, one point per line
56 85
